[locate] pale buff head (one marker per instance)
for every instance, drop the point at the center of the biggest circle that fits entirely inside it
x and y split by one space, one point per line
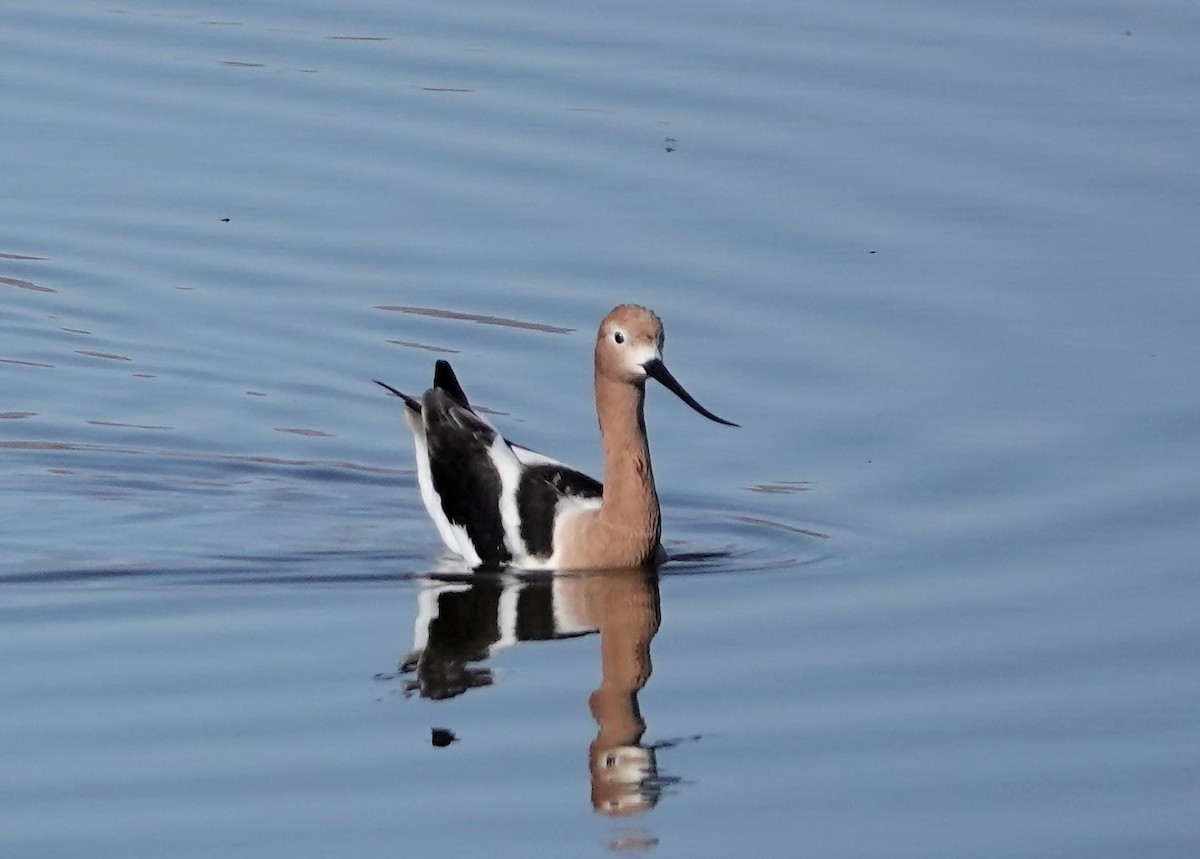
629 349
629 337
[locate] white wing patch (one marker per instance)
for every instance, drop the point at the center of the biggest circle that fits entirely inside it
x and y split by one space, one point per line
454 536
429 496
529 457
509 468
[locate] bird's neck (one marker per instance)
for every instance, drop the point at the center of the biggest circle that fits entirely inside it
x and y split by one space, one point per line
630 502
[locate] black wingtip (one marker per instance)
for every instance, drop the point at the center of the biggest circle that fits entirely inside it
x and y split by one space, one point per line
444 378
412 402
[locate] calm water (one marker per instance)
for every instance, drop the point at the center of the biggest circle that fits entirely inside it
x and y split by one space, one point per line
938 596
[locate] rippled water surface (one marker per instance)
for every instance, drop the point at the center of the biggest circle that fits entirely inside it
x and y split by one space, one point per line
937 596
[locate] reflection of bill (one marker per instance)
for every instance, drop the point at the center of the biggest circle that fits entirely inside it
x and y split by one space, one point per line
460 623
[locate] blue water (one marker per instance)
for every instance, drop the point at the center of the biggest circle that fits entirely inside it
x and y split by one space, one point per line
938 594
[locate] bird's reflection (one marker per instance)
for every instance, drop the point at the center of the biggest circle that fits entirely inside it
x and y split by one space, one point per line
461 622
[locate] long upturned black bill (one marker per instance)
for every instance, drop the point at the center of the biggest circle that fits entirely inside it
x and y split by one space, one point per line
658 371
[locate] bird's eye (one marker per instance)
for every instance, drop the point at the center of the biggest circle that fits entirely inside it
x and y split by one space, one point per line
619 337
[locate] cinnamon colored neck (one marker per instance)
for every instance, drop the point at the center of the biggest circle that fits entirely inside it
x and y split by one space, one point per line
629 494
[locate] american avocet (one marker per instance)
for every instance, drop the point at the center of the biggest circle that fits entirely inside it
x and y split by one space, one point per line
499 504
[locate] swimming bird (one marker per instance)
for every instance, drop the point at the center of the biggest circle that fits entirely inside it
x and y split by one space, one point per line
500 504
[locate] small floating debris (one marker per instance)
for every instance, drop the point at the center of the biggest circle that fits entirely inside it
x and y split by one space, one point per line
129 426
106 355
312 433
782 487
21 363
671 144
25 284
412 344
481 319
